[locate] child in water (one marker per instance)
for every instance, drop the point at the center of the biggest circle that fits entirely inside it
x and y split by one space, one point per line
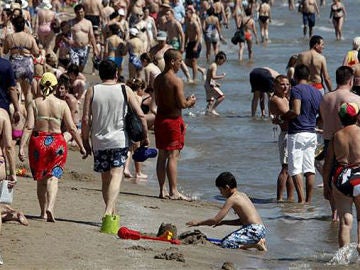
252 232
214 96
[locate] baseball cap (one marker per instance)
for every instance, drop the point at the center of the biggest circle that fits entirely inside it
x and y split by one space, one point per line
161 35
121 12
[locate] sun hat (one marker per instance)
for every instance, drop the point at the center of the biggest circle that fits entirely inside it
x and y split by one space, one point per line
143 153
161 35
348 109
133 31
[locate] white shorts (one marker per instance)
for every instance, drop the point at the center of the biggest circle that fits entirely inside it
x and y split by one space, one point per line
301 148
282 144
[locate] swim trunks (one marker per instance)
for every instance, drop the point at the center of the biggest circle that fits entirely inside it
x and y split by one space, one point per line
175 43
47 155
23 67
169 133
212 90
190 54
248 36
79 56
309 19
135 61
261 80
347 180
263 19
94 19
106 159
247 235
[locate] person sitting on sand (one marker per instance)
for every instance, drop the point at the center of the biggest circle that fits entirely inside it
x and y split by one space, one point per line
252 232
10 214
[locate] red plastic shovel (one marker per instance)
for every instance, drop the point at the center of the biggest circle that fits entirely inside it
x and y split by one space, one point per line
125 233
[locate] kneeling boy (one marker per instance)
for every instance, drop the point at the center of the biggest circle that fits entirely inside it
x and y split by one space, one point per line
252 232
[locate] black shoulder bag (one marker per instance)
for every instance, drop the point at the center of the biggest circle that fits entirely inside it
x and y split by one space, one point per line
133 125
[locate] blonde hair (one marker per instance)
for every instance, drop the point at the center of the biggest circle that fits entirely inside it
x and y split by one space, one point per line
356 43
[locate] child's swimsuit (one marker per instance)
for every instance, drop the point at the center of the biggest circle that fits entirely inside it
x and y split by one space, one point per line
247 235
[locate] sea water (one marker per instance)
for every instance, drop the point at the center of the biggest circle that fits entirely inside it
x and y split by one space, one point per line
298 236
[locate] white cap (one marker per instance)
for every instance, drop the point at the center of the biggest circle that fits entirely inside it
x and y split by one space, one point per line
121 12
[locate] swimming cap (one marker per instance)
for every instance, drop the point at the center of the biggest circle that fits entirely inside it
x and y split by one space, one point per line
348 110
47 82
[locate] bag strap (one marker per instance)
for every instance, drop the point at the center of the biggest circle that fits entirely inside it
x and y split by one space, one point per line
126 99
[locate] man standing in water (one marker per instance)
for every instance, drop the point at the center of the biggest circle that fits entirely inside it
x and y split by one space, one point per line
169 126
344 149
302 140
316 62
308 8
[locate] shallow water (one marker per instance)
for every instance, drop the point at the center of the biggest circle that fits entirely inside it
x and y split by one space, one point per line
299 237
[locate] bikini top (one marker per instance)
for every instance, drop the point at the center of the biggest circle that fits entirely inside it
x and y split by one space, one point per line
337 9
44 117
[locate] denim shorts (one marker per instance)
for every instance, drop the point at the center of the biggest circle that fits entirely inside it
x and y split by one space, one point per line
104 160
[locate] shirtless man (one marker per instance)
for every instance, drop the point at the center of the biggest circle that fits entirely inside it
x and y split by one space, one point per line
356 86
135 47
43 20
93 12
193 41
308 10
175 33
157 52
278 106
344 149
264 20
316 62
82 36
169 125
329 108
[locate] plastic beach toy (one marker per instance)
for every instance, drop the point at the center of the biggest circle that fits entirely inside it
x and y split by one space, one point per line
110 224
125 233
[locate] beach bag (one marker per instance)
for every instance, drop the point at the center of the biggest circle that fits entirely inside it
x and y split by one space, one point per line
133 126
6 193
239 35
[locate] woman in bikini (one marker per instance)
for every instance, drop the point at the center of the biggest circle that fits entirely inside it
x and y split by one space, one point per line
43 25
47 146
264 20
337 14
22 47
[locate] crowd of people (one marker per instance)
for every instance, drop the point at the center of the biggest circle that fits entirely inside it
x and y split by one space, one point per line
44 74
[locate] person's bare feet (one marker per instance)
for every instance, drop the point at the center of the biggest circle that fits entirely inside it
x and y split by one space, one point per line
50 216
180 196
141 176
261 245
164 194
128 174
22 219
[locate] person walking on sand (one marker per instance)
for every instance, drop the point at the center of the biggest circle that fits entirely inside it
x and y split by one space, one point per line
109 140
214 95
169 126
47 146
252 231
344 149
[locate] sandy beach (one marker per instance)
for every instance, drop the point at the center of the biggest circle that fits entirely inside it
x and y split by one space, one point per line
75 242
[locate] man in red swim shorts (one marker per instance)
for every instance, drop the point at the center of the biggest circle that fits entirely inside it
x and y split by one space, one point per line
169 126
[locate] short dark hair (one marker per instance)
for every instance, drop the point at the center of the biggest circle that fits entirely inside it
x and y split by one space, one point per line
114 28
220 56
302 72
314 40
279 78
73 68
171 54
18 23
78 7
146 56
210 11
107 70
64 80
226 179
343 75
